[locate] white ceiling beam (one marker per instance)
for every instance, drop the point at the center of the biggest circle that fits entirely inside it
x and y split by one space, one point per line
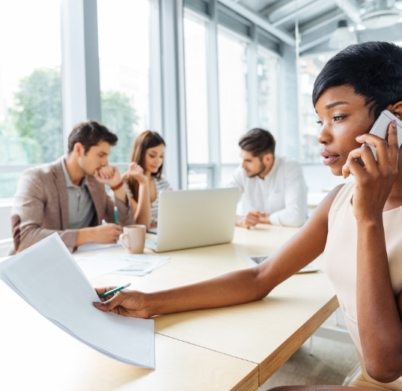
313 43
292 15
350 8
259 21
319 23
274 7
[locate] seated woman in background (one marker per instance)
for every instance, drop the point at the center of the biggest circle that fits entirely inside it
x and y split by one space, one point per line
147 157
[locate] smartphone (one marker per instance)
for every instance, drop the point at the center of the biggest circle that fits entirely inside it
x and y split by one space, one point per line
380 128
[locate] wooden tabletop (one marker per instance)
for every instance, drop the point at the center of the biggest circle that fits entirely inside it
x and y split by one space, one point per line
237 347
36 355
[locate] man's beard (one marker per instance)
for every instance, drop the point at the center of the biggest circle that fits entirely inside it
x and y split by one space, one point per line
261 169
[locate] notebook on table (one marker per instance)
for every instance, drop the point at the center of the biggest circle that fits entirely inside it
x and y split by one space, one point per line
194 218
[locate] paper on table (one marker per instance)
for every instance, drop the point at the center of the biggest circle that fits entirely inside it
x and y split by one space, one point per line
101 263
310 268
47 277
141 264
129 264
96 246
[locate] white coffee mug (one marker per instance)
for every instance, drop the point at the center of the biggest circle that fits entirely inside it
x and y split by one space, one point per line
133 238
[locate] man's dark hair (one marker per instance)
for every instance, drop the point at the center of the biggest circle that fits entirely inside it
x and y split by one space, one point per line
372 69
258 142
90 133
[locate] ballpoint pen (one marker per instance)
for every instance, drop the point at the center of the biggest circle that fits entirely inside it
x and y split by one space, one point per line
113 291
115 215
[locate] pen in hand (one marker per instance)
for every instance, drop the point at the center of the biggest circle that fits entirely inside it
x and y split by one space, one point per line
115 215
114 290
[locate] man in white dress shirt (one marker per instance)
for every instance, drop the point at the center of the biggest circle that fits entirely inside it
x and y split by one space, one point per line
273 189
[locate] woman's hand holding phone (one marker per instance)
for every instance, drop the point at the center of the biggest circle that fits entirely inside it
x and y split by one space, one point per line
374 178
379 129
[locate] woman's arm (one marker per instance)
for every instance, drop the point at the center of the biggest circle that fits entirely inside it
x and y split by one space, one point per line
142 206
399 299
378 313
233 288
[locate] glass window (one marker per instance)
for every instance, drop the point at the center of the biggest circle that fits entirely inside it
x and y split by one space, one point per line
30 87
308 71
124 42
195 43
232 62
268 90
195 57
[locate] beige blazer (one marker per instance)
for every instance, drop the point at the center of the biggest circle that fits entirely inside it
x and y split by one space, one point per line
41 206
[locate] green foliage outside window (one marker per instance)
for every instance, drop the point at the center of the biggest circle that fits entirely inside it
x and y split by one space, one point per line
36 118
120 117
37 115
32 132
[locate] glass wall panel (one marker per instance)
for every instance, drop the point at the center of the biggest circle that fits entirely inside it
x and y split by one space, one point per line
30 87
195 40
124 44
268 90
195 56
308 71
232 60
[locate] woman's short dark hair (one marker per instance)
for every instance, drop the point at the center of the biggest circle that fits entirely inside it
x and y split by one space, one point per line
372 69
258 142
90 133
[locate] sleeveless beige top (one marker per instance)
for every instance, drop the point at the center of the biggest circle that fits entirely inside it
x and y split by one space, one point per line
340 257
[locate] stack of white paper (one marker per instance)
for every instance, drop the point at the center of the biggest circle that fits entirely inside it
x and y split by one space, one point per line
48 278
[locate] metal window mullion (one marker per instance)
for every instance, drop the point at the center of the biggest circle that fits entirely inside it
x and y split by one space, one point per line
214 144
80 63
288 138
92 86
173 96
297 151
155 120
252 82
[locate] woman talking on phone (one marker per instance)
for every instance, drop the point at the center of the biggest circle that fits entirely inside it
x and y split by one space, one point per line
357 227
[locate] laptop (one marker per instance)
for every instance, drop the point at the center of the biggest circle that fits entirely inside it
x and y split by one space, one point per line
194 218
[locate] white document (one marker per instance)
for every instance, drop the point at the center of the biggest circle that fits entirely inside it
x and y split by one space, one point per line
48 278
128 264
97 246
141 264
97 264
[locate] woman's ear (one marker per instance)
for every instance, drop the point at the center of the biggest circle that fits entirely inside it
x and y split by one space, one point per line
396 109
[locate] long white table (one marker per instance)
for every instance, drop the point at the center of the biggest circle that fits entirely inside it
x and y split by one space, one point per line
230 348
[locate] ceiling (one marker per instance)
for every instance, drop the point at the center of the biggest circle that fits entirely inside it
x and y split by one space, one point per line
317 19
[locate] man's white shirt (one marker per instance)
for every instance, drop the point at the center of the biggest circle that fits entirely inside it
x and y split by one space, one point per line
282 194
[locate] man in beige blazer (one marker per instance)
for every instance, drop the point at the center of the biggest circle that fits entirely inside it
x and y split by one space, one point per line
68 196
